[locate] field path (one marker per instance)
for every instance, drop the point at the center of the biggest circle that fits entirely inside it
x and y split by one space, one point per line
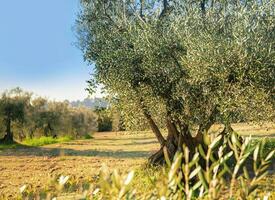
37 166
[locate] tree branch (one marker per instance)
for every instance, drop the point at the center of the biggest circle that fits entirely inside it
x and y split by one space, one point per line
141 10
165 8
202 4
205 126
152 123
172 129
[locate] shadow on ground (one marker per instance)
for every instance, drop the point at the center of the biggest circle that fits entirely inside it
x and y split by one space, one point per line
263 136
127 138
54 152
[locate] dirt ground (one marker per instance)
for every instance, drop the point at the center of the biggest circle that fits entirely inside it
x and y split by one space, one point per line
37 166
79 158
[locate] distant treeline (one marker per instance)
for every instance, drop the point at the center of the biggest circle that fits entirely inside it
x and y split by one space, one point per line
22 115
93 103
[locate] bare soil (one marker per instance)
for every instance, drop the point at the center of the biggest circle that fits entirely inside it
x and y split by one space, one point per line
37 166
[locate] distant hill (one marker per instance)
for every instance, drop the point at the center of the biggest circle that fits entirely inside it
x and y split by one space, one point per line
90 103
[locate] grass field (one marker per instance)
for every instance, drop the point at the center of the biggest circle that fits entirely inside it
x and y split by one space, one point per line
80 159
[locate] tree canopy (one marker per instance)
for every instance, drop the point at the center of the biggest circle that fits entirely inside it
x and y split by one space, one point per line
183 64
12 109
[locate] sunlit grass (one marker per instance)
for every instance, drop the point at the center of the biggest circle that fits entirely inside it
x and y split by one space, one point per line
46 140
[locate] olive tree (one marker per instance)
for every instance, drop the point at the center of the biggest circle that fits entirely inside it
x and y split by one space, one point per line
13 104
83 121
183 64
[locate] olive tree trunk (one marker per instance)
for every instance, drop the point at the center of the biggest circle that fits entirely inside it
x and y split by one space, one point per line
174 142
179 135
8 138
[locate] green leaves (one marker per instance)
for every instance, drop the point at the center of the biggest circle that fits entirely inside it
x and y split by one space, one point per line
182 69
215 142
269 156
187 175
113 185
256 153
175 166
176 64
166 157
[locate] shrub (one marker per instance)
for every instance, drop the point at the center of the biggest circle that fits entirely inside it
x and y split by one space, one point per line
88 136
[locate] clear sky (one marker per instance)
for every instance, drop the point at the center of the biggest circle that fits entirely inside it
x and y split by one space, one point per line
37 51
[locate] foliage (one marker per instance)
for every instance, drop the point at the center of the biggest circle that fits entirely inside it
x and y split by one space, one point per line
25 116
118 122
269 144
104 119
84 121
88 136
182 64
13 104
114 186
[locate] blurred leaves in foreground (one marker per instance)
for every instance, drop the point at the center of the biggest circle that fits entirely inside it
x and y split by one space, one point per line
184 178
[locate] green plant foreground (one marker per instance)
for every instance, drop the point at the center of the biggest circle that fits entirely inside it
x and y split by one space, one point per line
184 178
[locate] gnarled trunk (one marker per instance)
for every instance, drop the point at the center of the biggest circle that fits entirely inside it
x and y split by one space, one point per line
155 128
176 138
8 138
181 136
158 157
152 123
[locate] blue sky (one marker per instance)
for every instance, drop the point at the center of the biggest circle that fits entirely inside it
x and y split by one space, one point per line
37 51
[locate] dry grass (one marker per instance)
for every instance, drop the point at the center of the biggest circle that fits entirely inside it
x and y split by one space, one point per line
256 130
37 166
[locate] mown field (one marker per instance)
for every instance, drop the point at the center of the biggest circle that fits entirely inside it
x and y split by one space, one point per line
39 167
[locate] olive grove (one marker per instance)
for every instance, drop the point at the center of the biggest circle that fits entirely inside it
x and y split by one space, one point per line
183 65
22 115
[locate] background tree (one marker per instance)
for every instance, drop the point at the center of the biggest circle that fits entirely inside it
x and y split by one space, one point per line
35 120
117 119
104 119
24 116
12 109
189 63
83 122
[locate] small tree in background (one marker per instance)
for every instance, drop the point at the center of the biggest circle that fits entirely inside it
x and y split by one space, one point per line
12 109
189 64
24 116
34 120
104 119
83 122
